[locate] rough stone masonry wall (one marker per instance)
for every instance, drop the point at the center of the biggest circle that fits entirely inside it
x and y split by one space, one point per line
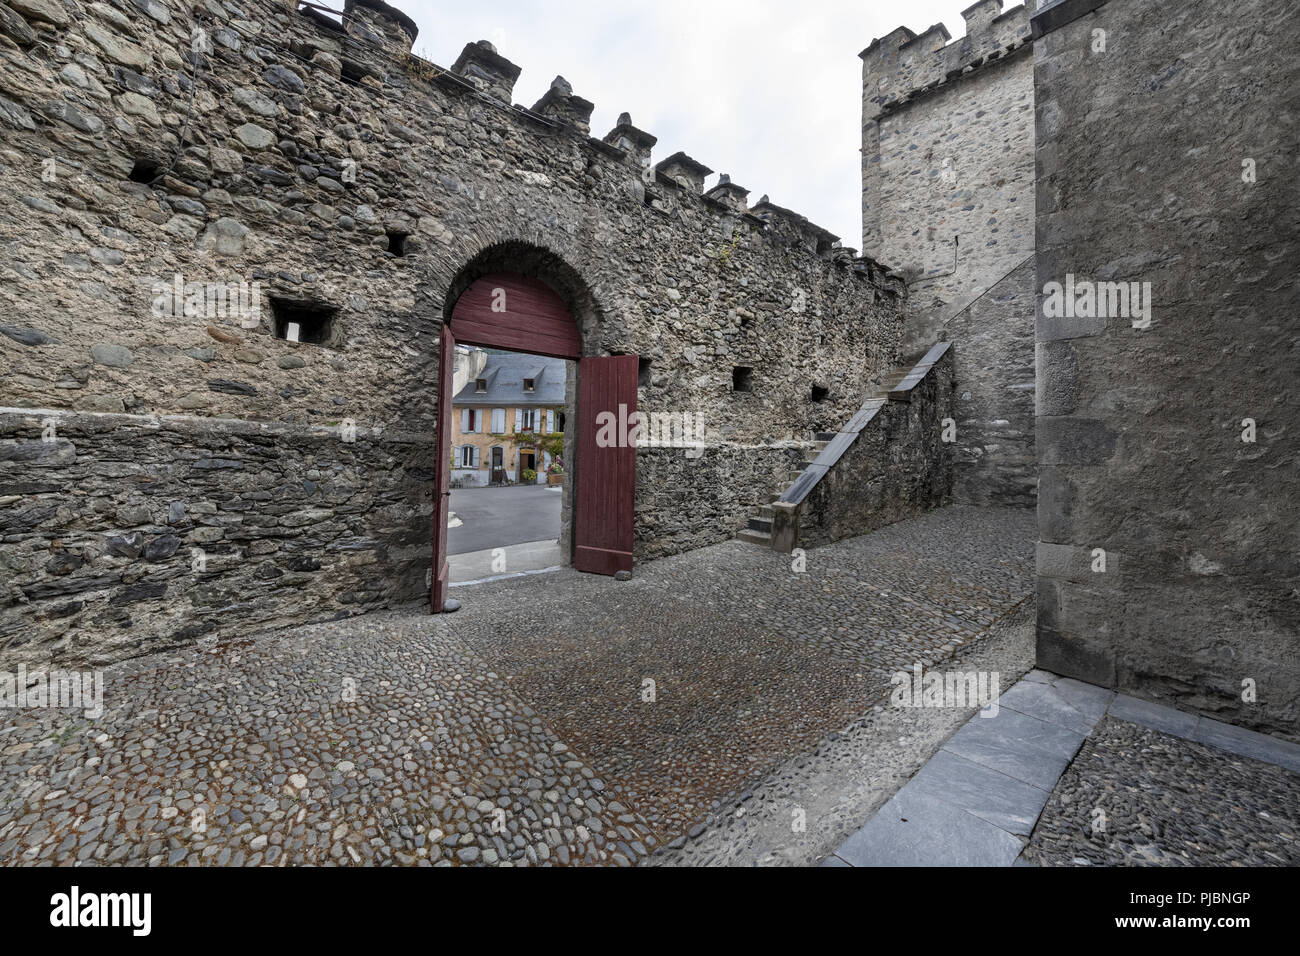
130 534
948 154
897 468
277 115
1142 154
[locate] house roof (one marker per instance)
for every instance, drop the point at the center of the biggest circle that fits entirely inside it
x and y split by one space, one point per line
505 375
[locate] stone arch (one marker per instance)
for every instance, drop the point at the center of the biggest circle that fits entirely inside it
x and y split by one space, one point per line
563 268
513 256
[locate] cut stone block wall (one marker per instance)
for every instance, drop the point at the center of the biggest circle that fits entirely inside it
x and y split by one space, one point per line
994 395
1145 152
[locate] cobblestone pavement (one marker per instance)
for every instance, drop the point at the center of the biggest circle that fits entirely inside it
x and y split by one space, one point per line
803 810
524 730
1164 801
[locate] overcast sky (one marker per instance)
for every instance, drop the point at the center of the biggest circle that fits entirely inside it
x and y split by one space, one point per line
767 91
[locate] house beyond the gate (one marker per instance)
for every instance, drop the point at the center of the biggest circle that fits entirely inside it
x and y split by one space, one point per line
513 394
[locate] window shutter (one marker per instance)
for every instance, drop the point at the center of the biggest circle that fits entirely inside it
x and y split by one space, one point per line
498 421
464 421
520 424
550 422
476 451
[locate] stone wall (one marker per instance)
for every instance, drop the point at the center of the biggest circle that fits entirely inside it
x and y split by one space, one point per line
333 180
892 461
1146 151
994 371
124 535
727 483
948 201
948 162
261 195
898 467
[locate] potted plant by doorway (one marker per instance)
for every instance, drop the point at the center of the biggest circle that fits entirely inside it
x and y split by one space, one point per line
551 446
555 474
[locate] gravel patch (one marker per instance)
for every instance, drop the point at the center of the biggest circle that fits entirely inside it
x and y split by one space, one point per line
1138 797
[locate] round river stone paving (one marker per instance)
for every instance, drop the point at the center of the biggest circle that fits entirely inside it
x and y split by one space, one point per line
557 720
1137 797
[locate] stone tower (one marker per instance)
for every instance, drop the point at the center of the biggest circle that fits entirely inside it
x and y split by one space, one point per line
948 201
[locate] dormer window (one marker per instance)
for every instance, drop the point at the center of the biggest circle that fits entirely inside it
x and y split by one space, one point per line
480 386
530 385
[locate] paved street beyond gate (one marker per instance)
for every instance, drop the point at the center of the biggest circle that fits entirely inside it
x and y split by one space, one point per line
560 719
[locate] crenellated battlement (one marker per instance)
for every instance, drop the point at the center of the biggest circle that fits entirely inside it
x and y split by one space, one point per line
488 70
377 22
903 65
481 68
560 104
944 110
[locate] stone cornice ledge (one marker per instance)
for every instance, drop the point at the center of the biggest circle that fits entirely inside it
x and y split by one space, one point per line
1061 13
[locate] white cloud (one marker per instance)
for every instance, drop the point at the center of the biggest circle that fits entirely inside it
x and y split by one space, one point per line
764 90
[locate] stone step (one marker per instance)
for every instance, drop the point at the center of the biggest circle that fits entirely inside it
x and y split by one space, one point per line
825 438
891 381
766 511
761 524
756 537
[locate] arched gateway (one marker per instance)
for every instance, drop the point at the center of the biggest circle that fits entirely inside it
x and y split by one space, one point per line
522 314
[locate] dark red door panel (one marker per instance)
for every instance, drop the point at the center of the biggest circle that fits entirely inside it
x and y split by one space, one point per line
442 471
606 477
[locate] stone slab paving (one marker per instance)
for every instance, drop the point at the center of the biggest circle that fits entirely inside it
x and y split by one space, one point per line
519 732
1145 785
976 802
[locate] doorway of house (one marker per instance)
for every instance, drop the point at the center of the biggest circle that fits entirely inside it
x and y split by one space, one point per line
511 314
527 466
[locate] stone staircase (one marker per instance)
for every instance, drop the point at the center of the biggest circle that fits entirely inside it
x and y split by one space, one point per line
759 529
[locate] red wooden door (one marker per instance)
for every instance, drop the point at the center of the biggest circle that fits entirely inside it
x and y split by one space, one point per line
607 404
442 471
